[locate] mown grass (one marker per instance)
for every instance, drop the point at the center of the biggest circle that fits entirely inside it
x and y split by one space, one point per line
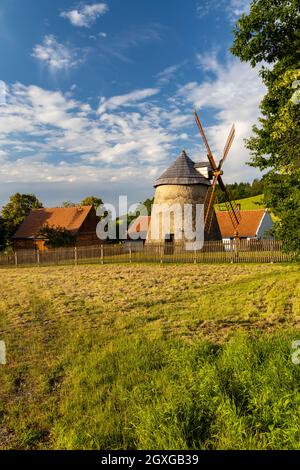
150 357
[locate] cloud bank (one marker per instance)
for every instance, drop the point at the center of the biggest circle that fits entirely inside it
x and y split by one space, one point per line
124 144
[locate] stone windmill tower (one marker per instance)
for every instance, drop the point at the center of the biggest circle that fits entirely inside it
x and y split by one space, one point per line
184 182
188 183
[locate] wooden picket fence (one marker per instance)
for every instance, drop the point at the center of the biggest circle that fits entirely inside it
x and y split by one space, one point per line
252 251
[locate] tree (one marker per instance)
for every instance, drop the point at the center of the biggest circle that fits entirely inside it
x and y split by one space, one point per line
257 187
92 201
68 204
56 237
283 193
270 33
241 190
2 233
16 211
148 204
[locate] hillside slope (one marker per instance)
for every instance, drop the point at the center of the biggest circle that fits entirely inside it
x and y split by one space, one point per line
249 203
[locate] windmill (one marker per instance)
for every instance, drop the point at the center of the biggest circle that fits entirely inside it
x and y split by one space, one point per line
217 171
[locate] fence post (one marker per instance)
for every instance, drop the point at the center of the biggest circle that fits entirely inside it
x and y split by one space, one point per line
232 250
195 255
161 254
102 254
272 251
76 255
16 259
237 250
130 253
38 257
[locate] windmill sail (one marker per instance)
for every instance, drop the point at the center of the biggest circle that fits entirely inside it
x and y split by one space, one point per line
231 206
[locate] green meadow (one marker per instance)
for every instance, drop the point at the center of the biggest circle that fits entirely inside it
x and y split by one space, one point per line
247 204
150 357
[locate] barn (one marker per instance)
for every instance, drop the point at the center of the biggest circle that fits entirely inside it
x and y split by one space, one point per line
80 221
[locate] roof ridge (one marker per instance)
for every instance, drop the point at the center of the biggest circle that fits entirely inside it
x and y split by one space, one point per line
54 208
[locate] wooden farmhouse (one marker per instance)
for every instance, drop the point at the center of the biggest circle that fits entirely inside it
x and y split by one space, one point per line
81 222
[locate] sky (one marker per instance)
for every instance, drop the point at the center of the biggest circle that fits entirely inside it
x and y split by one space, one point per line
97 97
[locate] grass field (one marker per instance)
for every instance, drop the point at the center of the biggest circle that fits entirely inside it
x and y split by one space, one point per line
249 203
150 357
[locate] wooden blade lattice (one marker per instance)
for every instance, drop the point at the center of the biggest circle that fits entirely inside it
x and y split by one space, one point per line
227 146
232 209
209 206
209 202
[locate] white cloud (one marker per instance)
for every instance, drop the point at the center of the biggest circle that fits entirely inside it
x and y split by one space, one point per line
47 136
207 6
50 137
236 8
233 9
55 55
208 61
166 75
3 155
102 34
2 93
128 99
234 96
86 15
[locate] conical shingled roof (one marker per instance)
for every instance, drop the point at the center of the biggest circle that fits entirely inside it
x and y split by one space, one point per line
182 171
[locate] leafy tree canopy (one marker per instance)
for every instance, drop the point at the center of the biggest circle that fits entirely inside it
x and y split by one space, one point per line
148 203
68 204
92 201
271 33
2 233
17 209
56 237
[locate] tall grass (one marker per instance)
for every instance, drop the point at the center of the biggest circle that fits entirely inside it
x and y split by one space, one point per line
157 394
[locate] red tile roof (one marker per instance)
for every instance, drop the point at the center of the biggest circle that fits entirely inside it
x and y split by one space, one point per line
140 224
248 226
70 218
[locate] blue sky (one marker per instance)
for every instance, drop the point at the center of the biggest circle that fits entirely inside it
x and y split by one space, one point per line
100 94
